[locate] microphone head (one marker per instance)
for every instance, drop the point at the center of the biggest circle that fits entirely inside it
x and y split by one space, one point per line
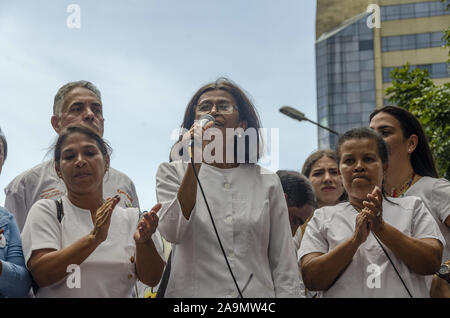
205 119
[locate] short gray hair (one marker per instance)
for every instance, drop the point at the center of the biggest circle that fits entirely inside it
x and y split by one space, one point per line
61 94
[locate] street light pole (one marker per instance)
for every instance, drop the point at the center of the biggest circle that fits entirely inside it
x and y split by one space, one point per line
298 115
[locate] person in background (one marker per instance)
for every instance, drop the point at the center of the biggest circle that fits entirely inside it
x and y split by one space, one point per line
300 199
76 103
246 202
112 246
370 246
322 171
15 280
301 203
412 170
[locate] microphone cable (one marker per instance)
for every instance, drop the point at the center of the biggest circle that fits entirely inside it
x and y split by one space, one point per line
392 263
214 226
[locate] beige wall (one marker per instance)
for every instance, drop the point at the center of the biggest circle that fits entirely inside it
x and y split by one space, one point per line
420 56
412 26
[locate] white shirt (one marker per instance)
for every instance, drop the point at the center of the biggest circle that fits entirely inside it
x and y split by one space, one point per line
250 212
42 182
109 271
435 194
332 225
297 239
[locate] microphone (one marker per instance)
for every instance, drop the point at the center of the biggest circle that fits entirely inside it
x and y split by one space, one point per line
203 121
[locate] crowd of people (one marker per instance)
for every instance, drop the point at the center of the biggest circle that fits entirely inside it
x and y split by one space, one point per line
370 218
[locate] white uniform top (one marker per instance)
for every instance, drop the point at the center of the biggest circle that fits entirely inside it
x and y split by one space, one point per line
435 194
332 225
109 271
250 213
297 238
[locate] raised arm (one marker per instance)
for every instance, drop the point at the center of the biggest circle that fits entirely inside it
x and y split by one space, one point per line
422 255
149 264
187 192
320 270
49 266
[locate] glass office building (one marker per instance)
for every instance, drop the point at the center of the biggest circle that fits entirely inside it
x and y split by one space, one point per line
353 61
345 78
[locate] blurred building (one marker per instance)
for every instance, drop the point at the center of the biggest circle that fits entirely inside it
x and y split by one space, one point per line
353 61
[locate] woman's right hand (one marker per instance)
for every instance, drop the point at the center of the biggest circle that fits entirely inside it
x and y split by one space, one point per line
196 132
362 227
103 218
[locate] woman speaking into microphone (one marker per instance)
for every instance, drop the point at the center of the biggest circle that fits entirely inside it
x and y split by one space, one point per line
229 229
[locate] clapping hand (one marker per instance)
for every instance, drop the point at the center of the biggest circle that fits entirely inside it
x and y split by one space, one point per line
147 225
373 209
103 218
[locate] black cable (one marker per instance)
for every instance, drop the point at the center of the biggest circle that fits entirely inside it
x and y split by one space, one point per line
392 263
215 229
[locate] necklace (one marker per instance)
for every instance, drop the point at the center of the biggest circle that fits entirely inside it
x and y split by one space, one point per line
404 187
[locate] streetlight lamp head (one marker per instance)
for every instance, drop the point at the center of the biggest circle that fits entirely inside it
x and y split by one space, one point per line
292 112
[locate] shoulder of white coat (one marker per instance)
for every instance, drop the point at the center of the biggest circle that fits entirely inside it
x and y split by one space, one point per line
30 176
43 207
174 167
442 184
116 174
266 174
327 213
409 203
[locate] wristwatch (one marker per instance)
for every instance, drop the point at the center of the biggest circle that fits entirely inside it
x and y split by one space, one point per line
444 272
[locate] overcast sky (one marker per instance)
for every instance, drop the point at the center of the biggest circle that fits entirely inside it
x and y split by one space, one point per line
148 58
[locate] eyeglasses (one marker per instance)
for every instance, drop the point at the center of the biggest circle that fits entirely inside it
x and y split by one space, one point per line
206 108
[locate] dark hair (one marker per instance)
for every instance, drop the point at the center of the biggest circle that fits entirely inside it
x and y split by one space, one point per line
104 147
297 187
316 156
247 111
421 158
4 144
363 133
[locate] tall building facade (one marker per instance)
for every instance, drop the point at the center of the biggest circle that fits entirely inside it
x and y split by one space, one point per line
353 60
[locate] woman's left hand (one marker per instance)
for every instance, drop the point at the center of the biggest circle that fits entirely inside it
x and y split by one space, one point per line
374 210
147 225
